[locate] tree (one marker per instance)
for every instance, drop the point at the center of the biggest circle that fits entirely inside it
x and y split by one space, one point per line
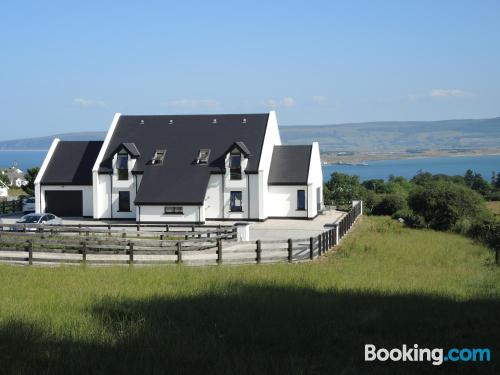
390 204
445 205
30 176
344 189
375 184
5 179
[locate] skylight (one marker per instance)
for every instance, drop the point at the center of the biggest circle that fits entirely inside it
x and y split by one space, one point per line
158 157
203 156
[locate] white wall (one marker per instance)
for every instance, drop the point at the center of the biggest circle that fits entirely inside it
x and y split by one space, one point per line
41 172
100 183
213 202
192 214
271 139
315 180
282 201
87 196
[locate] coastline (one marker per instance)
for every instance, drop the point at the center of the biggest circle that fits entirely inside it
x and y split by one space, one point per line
331 159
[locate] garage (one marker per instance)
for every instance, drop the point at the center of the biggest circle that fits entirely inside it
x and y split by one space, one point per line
64 202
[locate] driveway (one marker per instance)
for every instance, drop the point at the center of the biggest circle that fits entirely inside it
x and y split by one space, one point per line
269 230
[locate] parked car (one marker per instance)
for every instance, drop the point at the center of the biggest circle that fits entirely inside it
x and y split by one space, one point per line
28 205
45 219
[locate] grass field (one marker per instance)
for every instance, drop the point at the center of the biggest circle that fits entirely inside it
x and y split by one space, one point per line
387 285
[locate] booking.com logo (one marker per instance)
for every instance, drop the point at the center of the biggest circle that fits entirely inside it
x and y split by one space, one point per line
437 356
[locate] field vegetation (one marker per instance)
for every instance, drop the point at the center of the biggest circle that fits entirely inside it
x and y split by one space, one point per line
387 285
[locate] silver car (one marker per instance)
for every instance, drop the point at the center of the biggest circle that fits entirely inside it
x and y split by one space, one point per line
28 205
45 219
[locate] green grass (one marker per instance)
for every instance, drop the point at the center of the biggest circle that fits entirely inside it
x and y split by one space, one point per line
388 285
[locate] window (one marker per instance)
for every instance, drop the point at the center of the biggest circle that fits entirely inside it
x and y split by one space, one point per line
158 157
122 165
124 201
235 165
169 210
235 201
203 155
301 200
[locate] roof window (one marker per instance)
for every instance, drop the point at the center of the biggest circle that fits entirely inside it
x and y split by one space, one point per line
203 156
158 157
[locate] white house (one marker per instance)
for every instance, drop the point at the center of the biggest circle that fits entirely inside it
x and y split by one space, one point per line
189 168
4 190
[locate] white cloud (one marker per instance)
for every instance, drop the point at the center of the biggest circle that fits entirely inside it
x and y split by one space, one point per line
319 99
449 93
88 102
194 103
287 101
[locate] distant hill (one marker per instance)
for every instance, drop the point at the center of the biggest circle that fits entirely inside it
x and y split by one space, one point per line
383 136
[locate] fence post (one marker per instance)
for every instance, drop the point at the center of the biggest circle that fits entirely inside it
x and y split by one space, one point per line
290 250
319 244
29 247
167 228
138 229
311 248
109 229
219 251
79 229
84 251
130 252
124 234
179 252
259 251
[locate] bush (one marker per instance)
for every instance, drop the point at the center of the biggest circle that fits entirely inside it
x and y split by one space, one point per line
445 205
493 196
410 218
390 204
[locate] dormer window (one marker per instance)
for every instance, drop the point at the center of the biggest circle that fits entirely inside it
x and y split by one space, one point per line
158 157
203 156
235 164
122 165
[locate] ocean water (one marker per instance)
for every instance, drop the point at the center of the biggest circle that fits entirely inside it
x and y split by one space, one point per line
24 159
455 165
450 165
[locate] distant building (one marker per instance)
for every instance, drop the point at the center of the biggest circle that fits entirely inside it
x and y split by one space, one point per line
4 190
15 175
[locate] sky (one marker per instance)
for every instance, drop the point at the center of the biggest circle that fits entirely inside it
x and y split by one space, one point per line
68 66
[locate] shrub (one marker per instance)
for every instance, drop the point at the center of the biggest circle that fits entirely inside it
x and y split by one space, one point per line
445 205
410 218
389 204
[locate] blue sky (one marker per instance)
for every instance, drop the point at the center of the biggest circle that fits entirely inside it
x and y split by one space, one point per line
68 66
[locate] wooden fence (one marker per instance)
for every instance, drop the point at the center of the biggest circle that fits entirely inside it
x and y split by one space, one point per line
10 207
151 244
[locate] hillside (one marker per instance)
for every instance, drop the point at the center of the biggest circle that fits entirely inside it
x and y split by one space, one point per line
380 137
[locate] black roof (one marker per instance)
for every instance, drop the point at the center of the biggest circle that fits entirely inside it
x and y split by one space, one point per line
179 179
71 163
290 165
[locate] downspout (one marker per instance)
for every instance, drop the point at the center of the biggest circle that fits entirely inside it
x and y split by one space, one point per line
307 200
138 206
111 195
222 198
248 195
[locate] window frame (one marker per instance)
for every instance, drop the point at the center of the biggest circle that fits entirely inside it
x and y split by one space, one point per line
157 160
303 192
175 210
235 172
120 202
122 173
232 207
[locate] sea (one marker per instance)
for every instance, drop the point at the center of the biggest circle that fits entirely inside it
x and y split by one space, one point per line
451 165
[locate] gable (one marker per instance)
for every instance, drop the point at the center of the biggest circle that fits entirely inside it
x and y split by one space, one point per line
290 165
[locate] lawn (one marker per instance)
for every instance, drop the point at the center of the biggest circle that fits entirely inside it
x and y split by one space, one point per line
387 285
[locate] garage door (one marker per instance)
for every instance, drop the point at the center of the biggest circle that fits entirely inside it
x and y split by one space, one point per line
64 203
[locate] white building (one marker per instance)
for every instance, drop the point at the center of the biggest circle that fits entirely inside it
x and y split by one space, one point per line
4 190
183 169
